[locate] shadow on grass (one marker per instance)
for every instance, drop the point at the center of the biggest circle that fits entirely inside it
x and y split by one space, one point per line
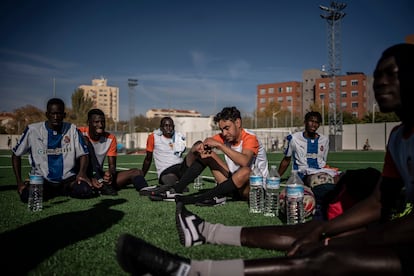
29 245
8 187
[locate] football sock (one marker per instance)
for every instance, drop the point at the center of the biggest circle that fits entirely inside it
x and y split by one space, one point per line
221 234
220 190
189 175
139 182
219 268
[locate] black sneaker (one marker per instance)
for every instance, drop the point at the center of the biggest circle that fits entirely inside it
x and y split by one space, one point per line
188 225
215 201
138 257
108 189
165 196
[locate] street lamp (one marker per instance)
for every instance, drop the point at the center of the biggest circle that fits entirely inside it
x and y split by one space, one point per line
274 117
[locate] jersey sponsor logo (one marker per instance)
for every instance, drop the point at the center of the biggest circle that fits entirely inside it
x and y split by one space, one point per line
66 139
56 151
311 155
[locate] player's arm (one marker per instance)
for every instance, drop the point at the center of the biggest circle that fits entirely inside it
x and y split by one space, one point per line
147 162
284 164
17 169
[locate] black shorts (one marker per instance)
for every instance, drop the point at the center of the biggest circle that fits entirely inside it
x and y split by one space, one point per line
177 169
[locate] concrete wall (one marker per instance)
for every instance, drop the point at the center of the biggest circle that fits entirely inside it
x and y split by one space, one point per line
353 136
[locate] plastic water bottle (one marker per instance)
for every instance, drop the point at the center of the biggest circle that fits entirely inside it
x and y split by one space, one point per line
256 194
198 183
35 201
294 199
271 204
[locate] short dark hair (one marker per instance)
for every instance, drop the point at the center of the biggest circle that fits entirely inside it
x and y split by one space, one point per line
165 119
55 101
313 114
227 113
95 111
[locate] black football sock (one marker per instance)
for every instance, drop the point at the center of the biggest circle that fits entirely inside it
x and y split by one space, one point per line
139 182
221 189
189 175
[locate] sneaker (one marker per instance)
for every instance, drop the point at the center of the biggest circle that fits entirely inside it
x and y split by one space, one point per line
188 225
215 201
107 189
164 196
138 257
147 191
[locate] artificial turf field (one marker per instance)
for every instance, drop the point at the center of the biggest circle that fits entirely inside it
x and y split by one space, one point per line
77 237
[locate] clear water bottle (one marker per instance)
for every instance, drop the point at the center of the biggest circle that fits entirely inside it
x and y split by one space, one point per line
256 194
271 204
294 199
35 201
198 183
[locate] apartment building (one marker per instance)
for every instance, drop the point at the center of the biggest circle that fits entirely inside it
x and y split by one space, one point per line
288 95
161 112
354 93
104 97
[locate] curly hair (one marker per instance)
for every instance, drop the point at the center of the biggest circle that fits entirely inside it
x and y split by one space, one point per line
227 113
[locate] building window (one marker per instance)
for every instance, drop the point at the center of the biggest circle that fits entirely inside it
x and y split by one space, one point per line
262 91
262 100
322 96
280 89
289 89
354 93
280 99
354 104
354 82
343 83
271 90
331 84
355 114
289 99
262 109
343 104
322 85
271 100
343 94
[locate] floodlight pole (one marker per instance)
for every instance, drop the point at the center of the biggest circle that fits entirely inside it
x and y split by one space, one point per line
333 15
132 83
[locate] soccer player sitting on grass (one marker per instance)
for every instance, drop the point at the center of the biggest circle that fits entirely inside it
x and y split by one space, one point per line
55 148
101 144
374 237
240 147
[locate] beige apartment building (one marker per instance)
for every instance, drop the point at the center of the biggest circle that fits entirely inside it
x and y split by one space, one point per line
104 97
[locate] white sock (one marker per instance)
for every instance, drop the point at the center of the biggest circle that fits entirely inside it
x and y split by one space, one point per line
217 268
221 234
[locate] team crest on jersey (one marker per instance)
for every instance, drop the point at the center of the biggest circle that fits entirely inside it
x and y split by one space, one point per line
321 148
66 139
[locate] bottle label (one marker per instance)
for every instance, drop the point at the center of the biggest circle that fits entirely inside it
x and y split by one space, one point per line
36 179
273 182
294 191
256 180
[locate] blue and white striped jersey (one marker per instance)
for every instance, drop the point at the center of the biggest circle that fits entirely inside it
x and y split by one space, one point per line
53 154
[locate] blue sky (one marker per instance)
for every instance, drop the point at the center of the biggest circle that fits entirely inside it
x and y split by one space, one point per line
200 55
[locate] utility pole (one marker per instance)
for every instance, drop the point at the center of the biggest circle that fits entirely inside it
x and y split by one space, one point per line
333 15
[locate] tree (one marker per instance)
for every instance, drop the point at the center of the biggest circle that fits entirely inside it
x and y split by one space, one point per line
80 107
24 116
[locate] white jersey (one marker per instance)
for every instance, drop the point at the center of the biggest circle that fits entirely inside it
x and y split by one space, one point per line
166 151
53 154
306 152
